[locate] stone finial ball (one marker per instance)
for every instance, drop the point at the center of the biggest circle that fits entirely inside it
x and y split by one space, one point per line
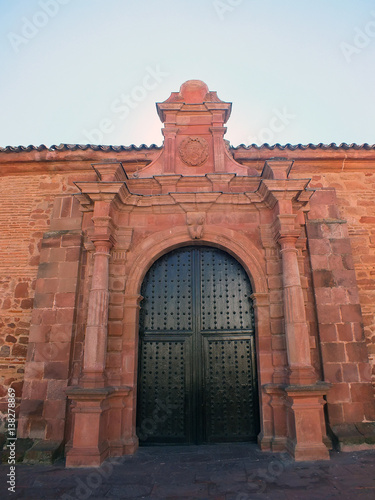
194 91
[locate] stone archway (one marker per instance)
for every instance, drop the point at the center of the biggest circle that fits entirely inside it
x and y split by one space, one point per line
140 260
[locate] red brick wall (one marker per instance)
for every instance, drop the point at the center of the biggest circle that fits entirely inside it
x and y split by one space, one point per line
26 208
356 201
343 346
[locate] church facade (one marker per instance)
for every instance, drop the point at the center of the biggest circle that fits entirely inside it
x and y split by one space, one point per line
190 293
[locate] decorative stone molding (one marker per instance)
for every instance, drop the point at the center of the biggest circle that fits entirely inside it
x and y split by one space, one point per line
123 241
195 222
194 151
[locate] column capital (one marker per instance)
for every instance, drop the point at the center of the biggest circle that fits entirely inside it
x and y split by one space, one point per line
103 231
169 131
109 171
285 231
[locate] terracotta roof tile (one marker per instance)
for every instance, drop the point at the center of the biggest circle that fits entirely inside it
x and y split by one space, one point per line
132 147
292 147
75 147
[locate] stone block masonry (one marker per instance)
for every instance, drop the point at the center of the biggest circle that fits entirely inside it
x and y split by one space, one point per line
82 225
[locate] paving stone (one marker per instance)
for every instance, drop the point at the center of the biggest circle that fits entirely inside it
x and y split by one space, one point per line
193 490
168 473
129 491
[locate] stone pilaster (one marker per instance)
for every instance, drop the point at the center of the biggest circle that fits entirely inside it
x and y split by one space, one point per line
97 319
96 403
170 148
296 330
218 143
297 407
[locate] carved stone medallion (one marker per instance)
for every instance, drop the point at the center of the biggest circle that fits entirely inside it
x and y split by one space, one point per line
194 151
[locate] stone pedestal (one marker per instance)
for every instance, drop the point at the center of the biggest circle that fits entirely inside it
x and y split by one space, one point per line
305 422
95 415
298 420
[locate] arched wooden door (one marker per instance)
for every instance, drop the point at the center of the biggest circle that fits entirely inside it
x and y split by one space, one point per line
197 374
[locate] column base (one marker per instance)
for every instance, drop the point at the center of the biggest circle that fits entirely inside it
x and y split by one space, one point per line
298 421
307 452
92 430
305 419
264 442
86 457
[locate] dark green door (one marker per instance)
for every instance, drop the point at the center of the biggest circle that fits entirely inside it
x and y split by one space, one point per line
197 375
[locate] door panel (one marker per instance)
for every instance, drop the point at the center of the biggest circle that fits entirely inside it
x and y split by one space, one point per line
197 359
228 375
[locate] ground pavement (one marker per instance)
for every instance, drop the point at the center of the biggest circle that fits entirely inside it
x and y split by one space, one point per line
219 472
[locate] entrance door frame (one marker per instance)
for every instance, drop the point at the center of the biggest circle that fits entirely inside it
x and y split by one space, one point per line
196 340
140 259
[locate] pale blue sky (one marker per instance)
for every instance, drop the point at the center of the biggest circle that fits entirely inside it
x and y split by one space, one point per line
90 71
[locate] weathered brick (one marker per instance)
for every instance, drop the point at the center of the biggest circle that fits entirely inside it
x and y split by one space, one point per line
66 285
56 370
21 290
65 300
319 262
329 314
115 328
328 333
72 254
335 262
55 429
339 393
319 247
324 278
56 389
351 312
44 285
48 270
333 372
333 352
19 350
51 242
356 351
68 269
71 240
54 409
350 372
344 331
353 412
344 278
44 300
362 392
341 246
336 413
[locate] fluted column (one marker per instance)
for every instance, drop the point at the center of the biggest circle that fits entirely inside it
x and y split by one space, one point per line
97 318
296 330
